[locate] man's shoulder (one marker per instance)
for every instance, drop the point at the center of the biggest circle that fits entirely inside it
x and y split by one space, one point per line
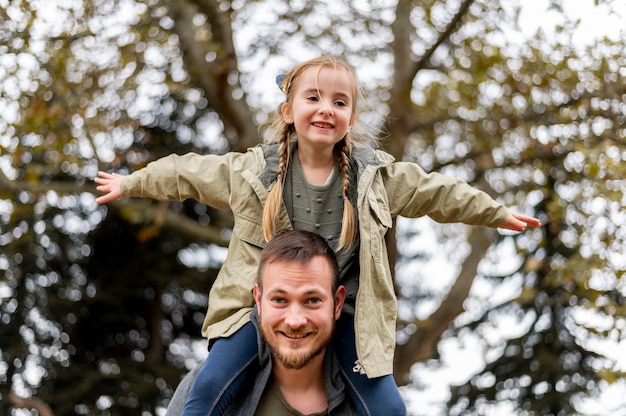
177 404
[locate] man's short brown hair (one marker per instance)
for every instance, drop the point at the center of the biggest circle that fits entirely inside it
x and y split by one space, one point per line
300 246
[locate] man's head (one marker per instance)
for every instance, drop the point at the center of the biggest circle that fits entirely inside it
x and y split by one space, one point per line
298 297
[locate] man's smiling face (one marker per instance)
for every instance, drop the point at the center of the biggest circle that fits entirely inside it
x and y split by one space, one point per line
297 310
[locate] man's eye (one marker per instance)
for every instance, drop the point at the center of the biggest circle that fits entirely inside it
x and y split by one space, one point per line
279 301
314 301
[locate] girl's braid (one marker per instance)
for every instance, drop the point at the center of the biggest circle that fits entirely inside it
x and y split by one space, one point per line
283 155
349 227
274 199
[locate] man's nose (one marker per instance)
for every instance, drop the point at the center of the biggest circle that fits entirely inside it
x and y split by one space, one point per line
295 316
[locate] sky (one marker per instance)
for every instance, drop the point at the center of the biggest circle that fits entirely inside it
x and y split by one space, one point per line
594 20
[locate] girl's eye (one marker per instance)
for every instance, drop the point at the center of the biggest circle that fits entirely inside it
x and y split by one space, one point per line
341 103
312 98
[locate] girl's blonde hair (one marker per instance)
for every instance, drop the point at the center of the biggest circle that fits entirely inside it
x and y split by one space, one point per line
281 132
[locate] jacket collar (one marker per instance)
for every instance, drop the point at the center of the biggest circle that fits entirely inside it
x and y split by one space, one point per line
362 156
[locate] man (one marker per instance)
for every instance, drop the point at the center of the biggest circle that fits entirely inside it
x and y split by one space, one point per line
298 299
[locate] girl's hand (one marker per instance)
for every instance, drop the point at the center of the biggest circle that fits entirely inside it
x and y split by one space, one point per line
519 222
109 183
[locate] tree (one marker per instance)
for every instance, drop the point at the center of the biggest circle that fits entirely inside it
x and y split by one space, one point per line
101 306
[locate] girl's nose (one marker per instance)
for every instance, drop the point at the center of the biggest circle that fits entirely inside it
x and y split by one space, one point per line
326 108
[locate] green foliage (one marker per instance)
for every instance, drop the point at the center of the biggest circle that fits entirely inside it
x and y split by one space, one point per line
101 306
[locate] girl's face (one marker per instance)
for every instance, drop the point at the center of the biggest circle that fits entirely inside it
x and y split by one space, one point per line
321 108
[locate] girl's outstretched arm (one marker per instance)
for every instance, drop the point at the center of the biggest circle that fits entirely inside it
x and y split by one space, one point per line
519 222
109 183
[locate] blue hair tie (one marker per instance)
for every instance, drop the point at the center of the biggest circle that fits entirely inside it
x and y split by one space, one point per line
279 81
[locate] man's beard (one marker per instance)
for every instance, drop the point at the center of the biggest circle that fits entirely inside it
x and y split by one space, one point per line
297 359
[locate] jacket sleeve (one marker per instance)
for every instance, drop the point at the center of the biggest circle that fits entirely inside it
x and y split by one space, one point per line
414 193
209 179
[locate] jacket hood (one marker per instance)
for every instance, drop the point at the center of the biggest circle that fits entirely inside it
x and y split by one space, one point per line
362 156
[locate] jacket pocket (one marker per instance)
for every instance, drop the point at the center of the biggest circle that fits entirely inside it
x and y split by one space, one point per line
245 248
380 211
249 230
379 223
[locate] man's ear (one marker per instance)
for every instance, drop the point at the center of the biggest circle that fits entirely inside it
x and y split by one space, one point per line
340 297
257 294
287 113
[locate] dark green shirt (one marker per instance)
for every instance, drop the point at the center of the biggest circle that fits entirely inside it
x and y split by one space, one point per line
273 403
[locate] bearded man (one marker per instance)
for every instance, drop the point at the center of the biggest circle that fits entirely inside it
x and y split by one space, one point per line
298 301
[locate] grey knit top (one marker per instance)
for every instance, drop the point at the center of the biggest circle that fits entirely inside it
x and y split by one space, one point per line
319 209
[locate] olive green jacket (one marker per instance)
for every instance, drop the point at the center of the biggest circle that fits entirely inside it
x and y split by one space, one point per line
386 189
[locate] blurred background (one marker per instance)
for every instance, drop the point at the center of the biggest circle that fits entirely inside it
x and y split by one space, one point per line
101 306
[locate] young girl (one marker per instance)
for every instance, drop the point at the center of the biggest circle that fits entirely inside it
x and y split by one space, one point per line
314 174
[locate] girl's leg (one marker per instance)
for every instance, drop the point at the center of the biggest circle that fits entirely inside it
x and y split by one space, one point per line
229 366
371 396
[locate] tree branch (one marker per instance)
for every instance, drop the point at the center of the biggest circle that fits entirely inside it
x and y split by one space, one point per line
453 25
421 344
214 76
133 210
406 119
41 407
141 211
